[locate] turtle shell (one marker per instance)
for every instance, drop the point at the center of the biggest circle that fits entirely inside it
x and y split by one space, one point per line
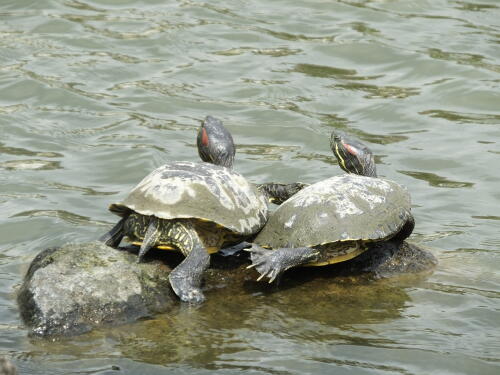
341 208
198 190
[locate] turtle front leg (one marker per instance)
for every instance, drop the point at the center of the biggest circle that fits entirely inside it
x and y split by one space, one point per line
115 235
272 263
278 193
186 278
150 237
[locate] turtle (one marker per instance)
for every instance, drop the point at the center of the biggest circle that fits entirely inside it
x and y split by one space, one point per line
195 208
336 219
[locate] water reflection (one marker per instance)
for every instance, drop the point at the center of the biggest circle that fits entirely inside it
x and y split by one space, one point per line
474 7
82 189
96 94
487 217
342 124
296 37
326 71
174 89
328 159
266 151
4 149
245 315
463 58
276 52
436 180
30 164
67 216
152 122
463 118
81 5
384 92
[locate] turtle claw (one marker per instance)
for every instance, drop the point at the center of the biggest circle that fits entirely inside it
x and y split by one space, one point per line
272 276
268 263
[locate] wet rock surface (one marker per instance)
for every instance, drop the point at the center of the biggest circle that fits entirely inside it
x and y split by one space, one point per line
387 259
72 289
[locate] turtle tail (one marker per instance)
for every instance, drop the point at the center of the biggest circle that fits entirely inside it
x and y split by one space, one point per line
115 235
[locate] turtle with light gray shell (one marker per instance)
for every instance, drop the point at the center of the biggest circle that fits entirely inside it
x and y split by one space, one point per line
336 219
195 208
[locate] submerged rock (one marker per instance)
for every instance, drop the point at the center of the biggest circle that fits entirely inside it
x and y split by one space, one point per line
74 288
387 259
71 289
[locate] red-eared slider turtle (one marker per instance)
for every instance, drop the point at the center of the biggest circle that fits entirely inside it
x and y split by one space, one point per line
196 208
335 219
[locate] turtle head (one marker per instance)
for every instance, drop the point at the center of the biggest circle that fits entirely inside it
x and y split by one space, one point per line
215 143
352 155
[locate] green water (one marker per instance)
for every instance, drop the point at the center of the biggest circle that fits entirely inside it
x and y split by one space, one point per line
95 94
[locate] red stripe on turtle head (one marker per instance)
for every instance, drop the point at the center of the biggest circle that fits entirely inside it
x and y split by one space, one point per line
204 137
350 149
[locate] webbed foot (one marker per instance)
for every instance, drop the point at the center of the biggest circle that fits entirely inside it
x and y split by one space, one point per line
269 263
184 288
272 263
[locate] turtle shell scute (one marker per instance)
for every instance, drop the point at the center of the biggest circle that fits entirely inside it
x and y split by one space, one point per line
199 190
341 208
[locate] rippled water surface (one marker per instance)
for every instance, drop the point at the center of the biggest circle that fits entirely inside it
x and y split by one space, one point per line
95 94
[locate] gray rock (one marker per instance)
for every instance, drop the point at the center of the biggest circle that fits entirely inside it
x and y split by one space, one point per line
73 288
389 259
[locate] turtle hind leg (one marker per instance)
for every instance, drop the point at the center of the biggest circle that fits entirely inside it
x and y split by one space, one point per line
115 235
272 263
186 278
